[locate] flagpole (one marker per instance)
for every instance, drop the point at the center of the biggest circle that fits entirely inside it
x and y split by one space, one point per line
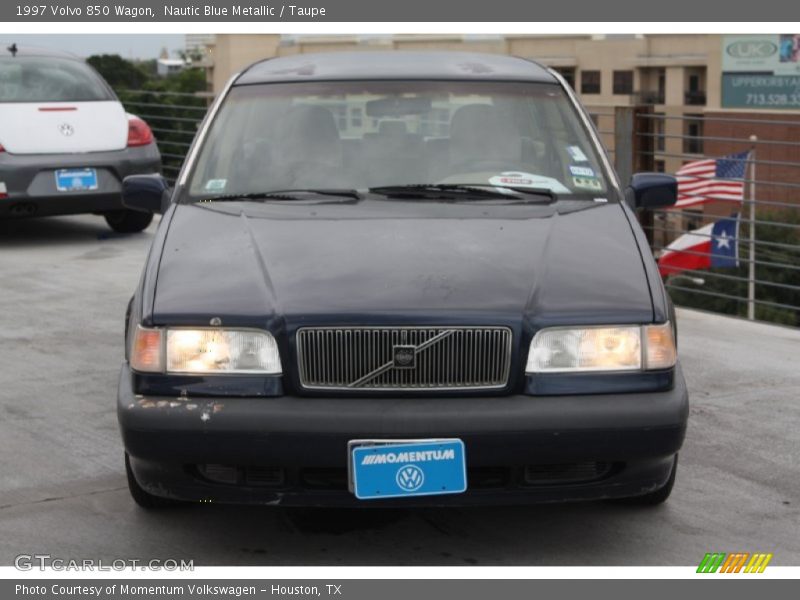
751 271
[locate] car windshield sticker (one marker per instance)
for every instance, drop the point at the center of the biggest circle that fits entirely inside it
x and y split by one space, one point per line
581 171
576 153
522 180
216 185
589 183
601 200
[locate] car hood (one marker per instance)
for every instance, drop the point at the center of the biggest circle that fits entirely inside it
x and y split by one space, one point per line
382 261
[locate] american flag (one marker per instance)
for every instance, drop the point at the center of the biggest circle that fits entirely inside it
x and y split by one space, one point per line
712 179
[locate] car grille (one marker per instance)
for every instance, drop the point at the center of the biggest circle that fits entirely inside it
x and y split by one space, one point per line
401 358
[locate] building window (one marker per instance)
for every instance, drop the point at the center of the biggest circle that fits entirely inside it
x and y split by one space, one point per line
568 73
693 219
658 165
623 82
590 82
658 131
695 94
652 85
693 134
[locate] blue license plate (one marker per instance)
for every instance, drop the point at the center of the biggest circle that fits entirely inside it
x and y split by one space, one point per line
76 180
395 469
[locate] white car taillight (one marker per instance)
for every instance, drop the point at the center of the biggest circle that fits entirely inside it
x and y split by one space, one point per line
139 132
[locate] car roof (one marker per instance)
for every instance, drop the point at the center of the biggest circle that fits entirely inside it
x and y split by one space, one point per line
25 50
342 66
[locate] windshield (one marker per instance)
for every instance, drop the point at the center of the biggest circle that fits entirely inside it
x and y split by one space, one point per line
49 79
360 135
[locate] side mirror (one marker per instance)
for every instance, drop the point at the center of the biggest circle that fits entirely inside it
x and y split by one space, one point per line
146 193
652 190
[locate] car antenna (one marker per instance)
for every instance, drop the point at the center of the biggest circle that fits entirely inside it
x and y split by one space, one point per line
13 49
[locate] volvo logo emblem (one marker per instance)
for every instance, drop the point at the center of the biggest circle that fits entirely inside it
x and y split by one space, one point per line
66 129
410 478
404 357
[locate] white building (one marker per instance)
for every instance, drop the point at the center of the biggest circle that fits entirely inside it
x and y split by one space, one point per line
170 66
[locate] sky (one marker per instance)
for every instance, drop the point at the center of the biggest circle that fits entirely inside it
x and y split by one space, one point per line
131 46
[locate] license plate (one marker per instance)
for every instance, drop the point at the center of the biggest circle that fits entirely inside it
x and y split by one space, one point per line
402 468
76 180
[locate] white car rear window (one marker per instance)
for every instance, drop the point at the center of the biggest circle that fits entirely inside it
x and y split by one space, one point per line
49 79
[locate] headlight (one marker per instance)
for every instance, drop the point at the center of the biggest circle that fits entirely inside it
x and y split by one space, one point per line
616 348
199 351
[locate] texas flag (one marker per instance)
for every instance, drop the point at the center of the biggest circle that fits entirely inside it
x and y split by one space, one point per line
714 245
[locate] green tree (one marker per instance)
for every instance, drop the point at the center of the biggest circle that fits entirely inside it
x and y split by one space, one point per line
118 72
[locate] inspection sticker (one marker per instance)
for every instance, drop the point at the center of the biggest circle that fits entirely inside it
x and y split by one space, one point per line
581 171
521 179
590 183
216 185
576 153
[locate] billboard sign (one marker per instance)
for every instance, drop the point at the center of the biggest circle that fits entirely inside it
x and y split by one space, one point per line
777 54
760 91
761 71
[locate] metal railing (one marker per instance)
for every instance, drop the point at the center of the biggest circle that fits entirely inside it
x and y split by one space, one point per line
173 117
694 98
649 97
764 284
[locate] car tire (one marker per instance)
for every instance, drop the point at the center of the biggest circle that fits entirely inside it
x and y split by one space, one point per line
654 498
143 498
128 221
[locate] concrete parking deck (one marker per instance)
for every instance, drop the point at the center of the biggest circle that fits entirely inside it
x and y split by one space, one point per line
64 284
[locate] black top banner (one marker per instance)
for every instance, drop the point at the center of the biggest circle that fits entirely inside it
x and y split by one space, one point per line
393 11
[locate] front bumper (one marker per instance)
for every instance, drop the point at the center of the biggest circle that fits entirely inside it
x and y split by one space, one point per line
636 434
31 187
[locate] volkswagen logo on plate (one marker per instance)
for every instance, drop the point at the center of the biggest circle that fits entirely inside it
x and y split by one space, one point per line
410 478
66 129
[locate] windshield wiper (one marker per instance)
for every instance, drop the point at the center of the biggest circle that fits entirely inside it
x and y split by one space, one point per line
288 195
450 191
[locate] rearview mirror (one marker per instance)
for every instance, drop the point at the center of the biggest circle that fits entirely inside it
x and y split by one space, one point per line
652 190
146 193
398 106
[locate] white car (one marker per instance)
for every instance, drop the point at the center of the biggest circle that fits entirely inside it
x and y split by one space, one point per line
66 142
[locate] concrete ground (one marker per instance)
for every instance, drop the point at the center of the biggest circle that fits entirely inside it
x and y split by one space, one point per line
64 283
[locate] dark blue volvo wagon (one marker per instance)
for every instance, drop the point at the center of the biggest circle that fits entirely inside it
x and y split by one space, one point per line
399 279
